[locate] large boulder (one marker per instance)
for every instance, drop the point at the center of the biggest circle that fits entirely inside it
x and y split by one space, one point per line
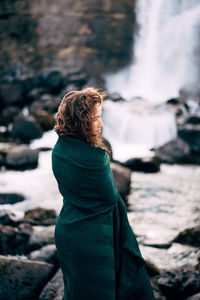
122 177
179 283
26 128
14 240
11 198
190 133
175 151
21 158
40 216
189 236
54 290
22 278
145 164
12 93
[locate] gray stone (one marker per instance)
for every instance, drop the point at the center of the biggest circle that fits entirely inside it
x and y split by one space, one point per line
54 290
40 216
21 158
189 236
26 128
23 279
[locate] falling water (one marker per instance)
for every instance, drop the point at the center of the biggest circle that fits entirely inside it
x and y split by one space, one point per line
164 53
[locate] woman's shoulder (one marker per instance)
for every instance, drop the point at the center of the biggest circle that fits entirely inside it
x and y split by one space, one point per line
81 153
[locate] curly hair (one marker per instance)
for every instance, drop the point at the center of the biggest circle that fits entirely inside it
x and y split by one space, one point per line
74 117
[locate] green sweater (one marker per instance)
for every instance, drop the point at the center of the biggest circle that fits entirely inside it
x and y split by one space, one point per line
97 249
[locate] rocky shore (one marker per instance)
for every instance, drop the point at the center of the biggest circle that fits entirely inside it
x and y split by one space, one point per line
29 264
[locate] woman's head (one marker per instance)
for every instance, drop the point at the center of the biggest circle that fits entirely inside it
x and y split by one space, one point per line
79 115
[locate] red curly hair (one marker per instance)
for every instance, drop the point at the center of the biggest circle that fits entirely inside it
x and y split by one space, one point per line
74 117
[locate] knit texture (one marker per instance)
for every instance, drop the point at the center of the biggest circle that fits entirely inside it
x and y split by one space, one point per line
97 249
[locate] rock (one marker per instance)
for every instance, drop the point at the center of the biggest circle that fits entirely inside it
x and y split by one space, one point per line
53 80
47 253
193 120
22 158
78 78
46 102
45 119
26 128
12 93
23 279
152 270
40 216
174 101
10 198
8 114
191 135
190 90
36 93
179 283
122 177
115 97
8 218
175 151
54 290
14 240
41 236
189 236
146 164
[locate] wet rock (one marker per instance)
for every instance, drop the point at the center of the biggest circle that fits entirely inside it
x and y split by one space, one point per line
122 177
26 128
152 269
12 93
146 164
41 236
14 240
47 253
45 119
115 97
47 102
179 283
53 80
189 236
40 216
21 158
10 198
8 218
54 290
23 279
78 78
36 93
174 101
175 151
8 114
191 135
193 120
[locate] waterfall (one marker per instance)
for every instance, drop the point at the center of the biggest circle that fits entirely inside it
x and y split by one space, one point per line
164 53
134 128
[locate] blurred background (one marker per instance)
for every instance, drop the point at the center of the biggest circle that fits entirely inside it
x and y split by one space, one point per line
145 55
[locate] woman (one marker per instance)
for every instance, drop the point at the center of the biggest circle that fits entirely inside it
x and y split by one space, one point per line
97 249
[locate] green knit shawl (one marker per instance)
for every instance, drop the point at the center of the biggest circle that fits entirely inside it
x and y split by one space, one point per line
97 249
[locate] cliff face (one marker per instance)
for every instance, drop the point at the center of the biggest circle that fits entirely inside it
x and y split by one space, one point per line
66 34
